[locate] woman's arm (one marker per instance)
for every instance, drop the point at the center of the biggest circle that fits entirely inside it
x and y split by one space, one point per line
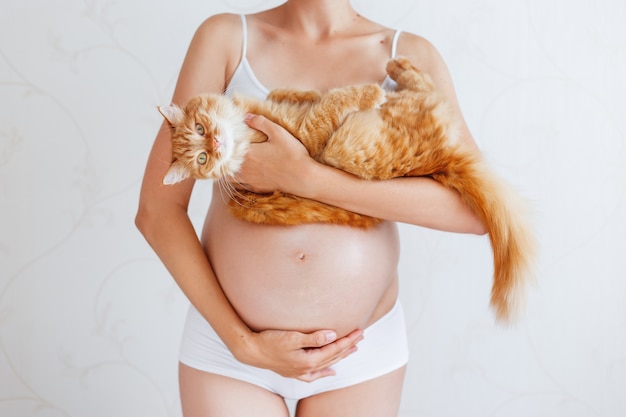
419 200
282 163
162 218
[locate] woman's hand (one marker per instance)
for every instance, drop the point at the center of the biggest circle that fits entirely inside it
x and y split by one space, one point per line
304 356
280 163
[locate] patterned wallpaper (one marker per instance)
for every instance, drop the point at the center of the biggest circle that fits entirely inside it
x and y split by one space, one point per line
90 320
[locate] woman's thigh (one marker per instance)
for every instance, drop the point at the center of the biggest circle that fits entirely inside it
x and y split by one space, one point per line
379 397
204 394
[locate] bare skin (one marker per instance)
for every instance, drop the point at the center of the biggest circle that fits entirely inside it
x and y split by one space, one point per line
320 280
313 276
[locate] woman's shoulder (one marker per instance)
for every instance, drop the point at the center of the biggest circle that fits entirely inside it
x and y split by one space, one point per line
221 24
420 51
218 34
213 52
411 43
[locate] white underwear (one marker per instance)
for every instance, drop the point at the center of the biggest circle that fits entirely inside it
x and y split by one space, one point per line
384 349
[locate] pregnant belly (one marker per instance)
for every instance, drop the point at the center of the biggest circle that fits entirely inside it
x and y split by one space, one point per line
303 278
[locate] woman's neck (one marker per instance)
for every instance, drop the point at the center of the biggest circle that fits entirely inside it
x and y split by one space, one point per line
317 19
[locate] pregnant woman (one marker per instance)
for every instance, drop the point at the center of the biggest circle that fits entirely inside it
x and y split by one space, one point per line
307 313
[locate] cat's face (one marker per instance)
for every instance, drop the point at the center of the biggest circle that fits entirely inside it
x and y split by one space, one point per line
202 138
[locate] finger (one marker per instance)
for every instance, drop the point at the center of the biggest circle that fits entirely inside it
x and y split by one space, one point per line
345 342
332 353
318 339
324 368
346 353
264 125
324 342
331 358
259 122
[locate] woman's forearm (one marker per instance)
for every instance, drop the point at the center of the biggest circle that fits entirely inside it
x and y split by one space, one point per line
420 200
282 163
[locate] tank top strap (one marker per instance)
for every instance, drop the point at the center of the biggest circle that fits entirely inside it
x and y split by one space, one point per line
244 36
244 81
394 43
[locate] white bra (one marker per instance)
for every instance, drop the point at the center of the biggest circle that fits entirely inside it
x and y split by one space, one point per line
245 82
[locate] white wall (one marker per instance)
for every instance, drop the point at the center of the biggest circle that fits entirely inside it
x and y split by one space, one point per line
89 319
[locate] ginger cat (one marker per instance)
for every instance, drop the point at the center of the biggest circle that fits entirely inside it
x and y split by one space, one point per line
368 132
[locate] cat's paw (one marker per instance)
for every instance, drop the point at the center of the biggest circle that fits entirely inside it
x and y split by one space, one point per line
371 96
397 66
408 77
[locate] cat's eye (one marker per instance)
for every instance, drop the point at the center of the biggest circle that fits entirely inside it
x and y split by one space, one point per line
200 129
202 158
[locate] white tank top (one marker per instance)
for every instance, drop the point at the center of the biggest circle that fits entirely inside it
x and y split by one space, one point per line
245 82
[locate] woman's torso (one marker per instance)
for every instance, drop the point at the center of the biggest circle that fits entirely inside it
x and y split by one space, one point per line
312 276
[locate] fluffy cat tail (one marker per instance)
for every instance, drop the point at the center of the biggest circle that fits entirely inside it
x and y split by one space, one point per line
505 216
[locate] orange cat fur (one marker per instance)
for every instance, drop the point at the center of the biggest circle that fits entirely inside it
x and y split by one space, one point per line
365 131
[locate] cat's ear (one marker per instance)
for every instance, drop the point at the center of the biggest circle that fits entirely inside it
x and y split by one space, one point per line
173 114
175 174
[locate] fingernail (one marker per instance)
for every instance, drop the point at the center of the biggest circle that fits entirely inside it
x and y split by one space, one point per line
248 117
330 337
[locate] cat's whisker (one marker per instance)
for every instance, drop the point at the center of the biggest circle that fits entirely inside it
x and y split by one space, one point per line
225 191
233 179
236 192
223 188
228 190
231 192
